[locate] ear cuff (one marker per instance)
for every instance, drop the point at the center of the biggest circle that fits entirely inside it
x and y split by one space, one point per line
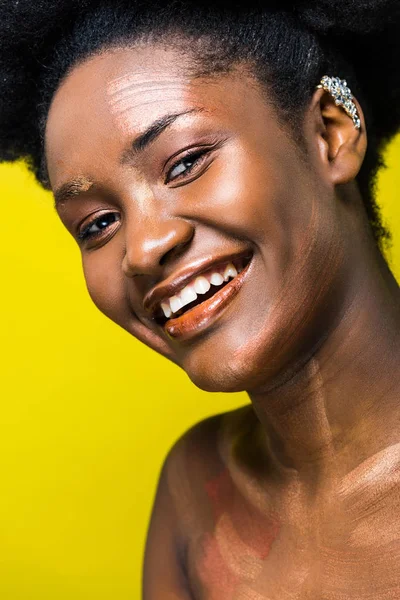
343 97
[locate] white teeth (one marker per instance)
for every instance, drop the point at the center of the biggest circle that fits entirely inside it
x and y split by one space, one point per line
230 271
175 303
201 285
166 309
216 279
187 295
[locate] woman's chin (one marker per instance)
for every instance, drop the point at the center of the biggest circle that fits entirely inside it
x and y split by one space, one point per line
223 372
216 382
258 363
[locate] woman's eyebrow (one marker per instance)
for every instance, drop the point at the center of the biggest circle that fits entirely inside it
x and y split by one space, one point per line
72 188
151 133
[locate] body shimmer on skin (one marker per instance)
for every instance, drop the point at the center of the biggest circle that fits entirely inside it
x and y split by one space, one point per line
224 209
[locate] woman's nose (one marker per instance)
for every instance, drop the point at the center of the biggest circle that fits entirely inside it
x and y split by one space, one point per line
148 250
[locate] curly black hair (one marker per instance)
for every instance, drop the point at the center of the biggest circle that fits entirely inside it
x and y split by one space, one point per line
289 46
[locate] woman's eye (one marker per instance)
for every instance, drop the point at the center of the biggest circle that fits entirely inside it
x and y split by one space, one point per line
185 165
98 226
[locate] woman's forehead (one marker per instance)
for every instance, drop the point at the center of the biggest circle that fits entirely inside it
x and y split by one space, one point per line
138 78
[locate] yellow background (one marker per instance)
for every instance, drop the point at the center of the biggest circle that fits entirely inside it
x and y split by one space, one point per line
87 412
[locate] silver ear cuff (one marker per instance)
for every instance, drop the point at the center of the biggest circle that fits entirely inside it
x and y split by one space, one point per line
343 97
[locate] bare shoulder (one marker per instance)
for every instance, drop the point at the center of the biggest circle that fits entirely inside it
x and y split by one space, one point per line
179 508
206 450
192 460
206 434
198 454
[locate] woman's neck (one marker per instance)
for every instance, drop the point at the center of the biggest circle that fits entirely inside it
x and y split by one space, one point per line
343 405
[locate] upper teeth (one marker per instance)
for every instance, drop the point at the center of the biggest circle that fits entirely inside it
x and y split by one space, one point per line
200 285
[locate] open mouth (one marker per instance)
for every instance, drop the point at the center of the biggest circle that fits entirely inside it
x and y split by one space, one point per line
201 290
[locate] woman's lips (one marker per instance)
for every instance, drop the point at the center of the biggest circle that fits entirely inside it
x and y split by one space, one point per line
201 316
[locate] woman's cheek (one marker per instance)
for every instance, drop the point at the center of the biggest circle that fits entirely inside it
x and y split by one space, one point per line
105 284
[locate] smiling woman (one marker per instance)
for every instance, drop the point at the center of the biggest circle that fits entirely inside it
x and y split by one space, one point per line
219 178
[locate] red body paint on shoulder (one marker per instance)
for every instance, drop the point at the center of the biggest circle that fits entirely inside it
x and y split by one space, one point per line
241 541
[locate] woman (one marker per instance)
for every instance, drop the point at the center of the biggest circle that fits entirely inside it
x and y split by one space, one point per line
221 190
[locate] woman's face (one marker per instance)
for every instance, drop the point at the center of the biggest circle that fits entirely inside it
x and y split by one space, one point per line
183 190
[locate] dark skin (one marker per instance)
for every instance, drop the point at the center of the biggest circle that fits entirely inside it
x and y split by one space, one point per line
297 494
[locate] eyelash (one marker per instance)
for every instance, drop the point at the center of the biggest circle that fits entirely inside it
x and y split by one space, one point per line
193 157
85 235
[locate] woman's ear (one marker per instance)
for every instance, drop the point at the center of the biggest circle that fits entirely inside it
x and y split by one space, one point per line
341 147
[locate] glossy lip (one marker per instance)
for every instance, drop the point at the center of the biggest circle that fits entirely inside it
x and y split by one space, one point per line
197 319
154 298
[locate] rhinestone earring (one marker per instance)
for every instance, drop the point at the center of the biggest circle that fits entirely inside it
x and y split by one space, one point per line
342 95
